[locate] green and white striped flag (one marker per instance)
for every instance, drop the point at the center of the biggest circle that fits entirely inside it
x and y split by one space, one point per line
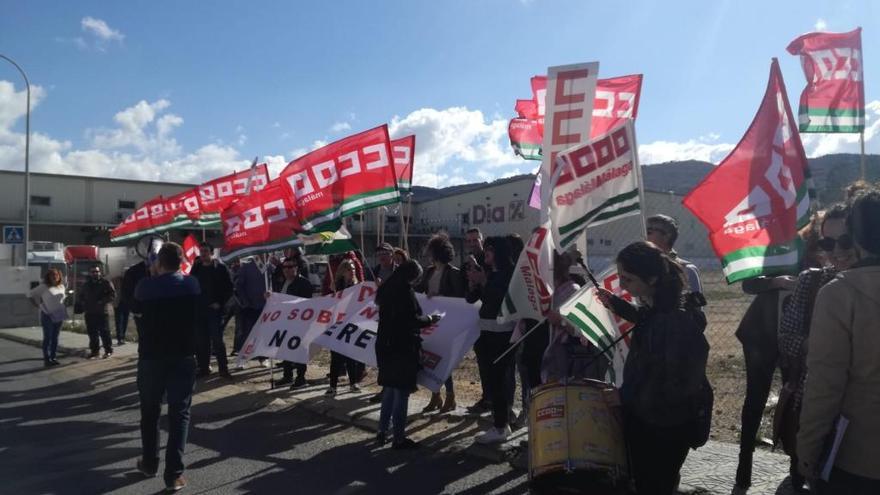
597 324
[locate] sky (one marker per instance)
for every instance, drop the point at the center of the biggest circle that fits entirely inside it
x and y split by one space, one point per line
188 91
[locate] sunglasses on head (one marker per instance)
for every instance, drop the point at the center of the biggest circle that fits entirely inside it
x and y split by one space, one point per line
828 243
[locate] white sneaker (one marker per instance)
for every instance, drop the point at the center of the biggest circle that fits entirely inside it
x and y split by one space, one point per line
354 388
493 435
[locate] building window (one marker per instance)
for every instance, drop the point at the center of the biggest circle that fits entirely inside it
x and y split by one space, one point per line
126 204
41 201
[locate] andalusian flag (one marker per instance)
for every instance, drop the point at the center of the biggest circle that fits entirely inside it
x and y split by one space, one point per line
597 324
834 99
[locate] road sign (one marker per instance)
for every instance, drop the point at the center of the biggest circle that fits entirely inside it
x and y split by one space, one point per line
13 234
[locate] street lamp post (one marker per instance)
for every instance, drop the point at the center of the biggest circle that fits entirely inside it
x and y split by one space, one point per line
27 153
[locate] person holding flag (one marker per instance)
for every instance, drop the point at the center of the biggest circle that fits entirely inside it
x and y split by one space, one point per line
569 353
666 396
490 288
293 284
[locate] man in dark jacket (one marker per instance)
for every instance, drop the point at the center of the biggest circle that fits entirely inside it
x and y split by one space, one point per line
95 295
168 305
216 289
130 279
293 284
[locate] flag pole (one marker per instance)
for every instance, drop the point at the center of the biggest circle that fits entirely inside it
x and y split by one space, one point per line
519 341
408 220
862 161
638 168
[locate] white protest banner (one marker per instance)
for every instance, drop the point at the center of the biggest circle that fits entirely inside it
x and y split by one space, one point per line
602 185
289 325
443 345
568 113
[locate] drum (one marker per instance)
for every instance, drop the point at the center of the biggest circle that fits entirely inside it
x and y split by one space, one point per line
576 427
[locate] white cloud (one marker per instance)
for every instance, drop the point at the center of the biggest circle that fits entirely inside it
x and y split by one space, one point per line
340 127
825 144
821 25
446 138
100 29
136 130
141 146
705 148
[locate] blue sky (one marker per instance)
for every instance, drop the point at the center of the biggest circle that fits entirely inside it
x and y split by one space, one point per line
184 91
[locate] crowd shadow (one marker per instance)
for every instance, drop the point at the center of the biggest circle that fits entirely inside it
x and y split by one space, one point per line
74 434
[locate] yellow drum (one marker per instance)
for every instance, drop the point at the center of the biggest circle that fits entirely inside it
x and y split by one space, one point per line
576 427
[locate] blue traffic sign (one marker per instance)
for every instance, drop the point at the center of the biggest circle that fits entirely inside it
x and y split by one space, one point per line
13 234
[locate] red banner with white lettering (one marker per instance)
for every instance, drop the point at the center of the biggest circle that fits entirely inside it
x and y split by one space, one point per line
834 99
138 223
218 194
525 137
756 199
190 253
403 151
342 178
186 204
263 220
617 99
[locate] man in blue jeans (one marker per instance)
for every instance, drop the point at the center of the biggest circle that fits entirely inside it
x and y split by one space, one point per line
216 289
166 366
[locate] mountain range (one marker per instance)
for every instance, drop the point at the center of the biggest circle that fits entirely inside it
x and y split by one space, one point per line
831 174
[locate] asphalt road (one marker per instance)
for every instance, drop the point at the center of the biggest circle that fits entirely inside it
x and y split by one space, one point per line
74 429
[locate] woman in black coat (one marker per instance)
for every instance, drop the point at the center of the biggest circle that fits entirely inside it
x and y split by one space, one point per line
666 396
398 348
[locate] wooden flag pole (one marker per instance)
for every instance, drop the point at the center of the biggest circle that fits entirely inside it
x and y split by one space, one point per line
863 168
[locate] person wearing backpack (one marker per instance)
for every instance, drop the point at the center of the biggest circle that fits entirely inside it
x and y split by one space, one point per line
666 396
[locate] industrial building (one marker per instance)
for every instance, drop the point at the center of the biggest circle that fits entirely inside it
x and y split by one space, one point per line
82 210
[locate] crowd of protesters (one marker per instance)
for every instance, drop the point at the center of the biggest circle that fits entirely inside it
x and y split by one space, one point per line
818 326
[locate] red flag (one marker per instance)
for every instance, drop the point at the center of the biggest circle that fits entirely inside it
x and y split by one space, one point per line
353 174
617 99
403 151
834 99
186 204
138 223
190 253
526 109
263 220
755 201
216 195
525 138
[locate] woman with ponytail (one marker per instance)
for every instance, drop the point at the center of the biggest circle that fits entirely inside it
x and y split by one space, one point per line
666 396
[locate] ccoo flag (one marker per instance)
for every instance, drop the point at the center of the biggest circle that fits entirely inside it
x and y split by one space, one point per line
834 99
756 199
530 291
